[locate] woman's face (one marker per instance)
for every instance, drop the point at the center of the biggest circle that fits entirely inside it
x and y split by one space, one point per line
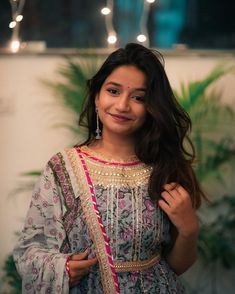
120 102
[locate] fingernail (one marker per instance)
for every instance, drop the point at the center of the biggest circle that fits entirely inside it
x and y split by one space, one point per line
88 250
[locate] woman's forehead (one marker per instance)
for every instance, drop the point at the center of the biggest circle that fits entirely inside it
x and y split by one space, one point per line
127 76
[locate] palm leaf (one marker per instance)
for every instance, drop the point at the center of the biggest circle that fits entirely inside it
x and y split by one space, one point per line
210 114
217 236
189 94
33 173
212 122
11 276
72 91
213 158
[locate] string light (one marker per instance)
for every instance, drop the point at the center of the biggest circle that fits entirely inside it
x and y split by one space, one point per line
108 12
12 24
105 10
15 46
141 38
17 17
112 39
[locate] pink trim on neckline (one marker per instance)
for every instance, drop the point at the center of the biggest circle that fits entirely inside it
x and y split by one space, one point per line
108 162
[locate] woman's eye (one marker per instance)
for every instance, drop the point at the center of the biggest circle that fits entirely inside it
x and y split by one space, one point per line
138 98
113 91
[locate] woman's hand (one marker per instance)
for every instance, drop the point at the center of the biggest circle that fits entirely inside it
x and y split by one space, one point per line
177 204
79 266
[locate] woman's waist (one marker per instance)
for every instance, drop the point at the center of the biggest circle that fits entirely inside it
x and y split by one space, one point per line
136 265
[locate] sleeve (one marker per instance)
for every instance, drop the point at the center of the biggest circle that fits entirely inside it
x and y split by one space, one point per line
38 255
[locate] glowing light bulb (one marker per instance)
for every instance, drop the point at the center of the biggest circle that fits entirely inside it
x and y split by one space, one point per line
150 1
19 18
105 10
112 39
12 24
15 46
141 38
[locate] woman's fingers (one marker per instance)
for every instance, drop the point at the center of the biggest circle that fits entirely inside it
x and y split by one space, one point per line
176 203
80 261
79 266
83 264
168 197
171 194
81 256
175 188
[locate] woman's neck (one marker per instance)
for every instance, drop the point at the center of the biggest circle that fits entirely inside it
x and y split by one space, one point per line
116 148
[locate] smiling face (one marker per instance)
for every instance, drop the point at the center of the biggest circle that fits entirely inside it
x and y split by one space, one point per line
120 102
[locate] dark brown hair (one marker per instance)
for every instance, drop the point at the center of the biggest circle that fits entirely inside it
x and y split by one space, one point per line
163 140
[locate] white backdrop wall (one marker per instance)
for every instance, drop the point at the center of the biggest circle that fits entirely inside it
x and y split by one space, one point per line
28 113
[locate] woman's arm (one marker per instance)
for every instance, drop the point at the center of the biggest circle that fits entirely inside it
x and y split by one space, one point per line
183 253
177 204
37 254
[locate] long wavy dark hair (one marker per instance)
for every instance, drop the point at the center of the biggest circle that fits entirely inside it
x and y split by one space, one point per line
163 140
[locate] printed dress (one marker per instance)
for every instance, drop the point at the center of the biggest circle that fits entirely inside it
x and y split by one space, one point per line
60 223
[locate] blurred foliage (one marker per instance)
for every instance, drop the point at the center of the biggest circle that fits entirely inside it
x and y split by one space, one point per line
28 182
217 237
71 89
11 276
211 124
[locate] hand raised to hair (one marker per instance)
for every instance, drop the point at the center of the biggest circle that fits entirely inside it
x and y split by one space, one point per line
79 266
176 203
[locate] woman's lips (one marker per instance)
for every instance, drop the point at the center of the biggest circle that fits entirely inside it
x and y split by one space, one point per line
120 117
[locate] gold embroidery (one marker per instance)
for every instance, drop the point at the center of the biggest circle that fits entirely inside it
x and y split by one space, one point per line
133 226
136 226
92 222
134 266
140 223
115 175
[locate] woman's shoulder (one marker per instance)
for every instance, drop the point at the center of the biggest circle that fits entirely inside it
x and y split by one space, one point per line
61 157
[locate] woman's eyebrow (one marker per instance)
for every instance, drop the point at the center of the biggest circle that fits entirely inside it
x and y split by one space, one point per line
114 84
119 85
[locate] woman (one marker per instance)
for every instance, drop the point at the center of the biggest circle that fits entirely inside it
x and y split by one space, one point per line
117 213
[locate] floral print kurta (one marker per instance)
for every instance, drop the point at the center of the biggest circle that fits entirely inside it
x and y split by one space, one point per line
55 227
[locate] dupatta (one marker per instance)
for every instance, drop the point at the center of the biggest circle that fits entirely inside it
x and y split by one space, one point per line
94 222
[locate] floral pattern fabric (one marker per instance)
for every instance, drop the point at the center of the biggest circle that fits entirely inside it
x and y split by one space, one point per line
55 228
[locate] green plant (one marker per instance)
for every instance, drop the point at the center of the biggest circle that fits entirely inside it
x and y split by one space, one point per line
71 90
217 244
216 247
11 276
211 121
28 182
215 149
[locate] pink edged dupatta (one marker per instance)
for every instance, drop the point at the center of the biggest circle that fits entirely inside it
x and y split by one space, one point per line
94 222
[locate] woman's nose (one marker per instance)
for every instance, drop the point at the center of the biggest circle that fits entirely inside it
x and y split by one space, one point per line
123 103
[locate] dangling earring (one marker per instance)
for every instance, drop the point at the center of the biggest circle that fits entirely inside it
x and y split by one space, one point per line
97 131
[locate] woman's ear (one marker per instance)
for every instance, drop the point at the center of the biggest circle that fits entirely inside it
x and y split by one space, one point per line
97 100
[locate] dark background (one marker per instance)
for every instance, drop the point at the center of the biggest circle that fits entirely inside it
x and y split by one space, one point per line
205 24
